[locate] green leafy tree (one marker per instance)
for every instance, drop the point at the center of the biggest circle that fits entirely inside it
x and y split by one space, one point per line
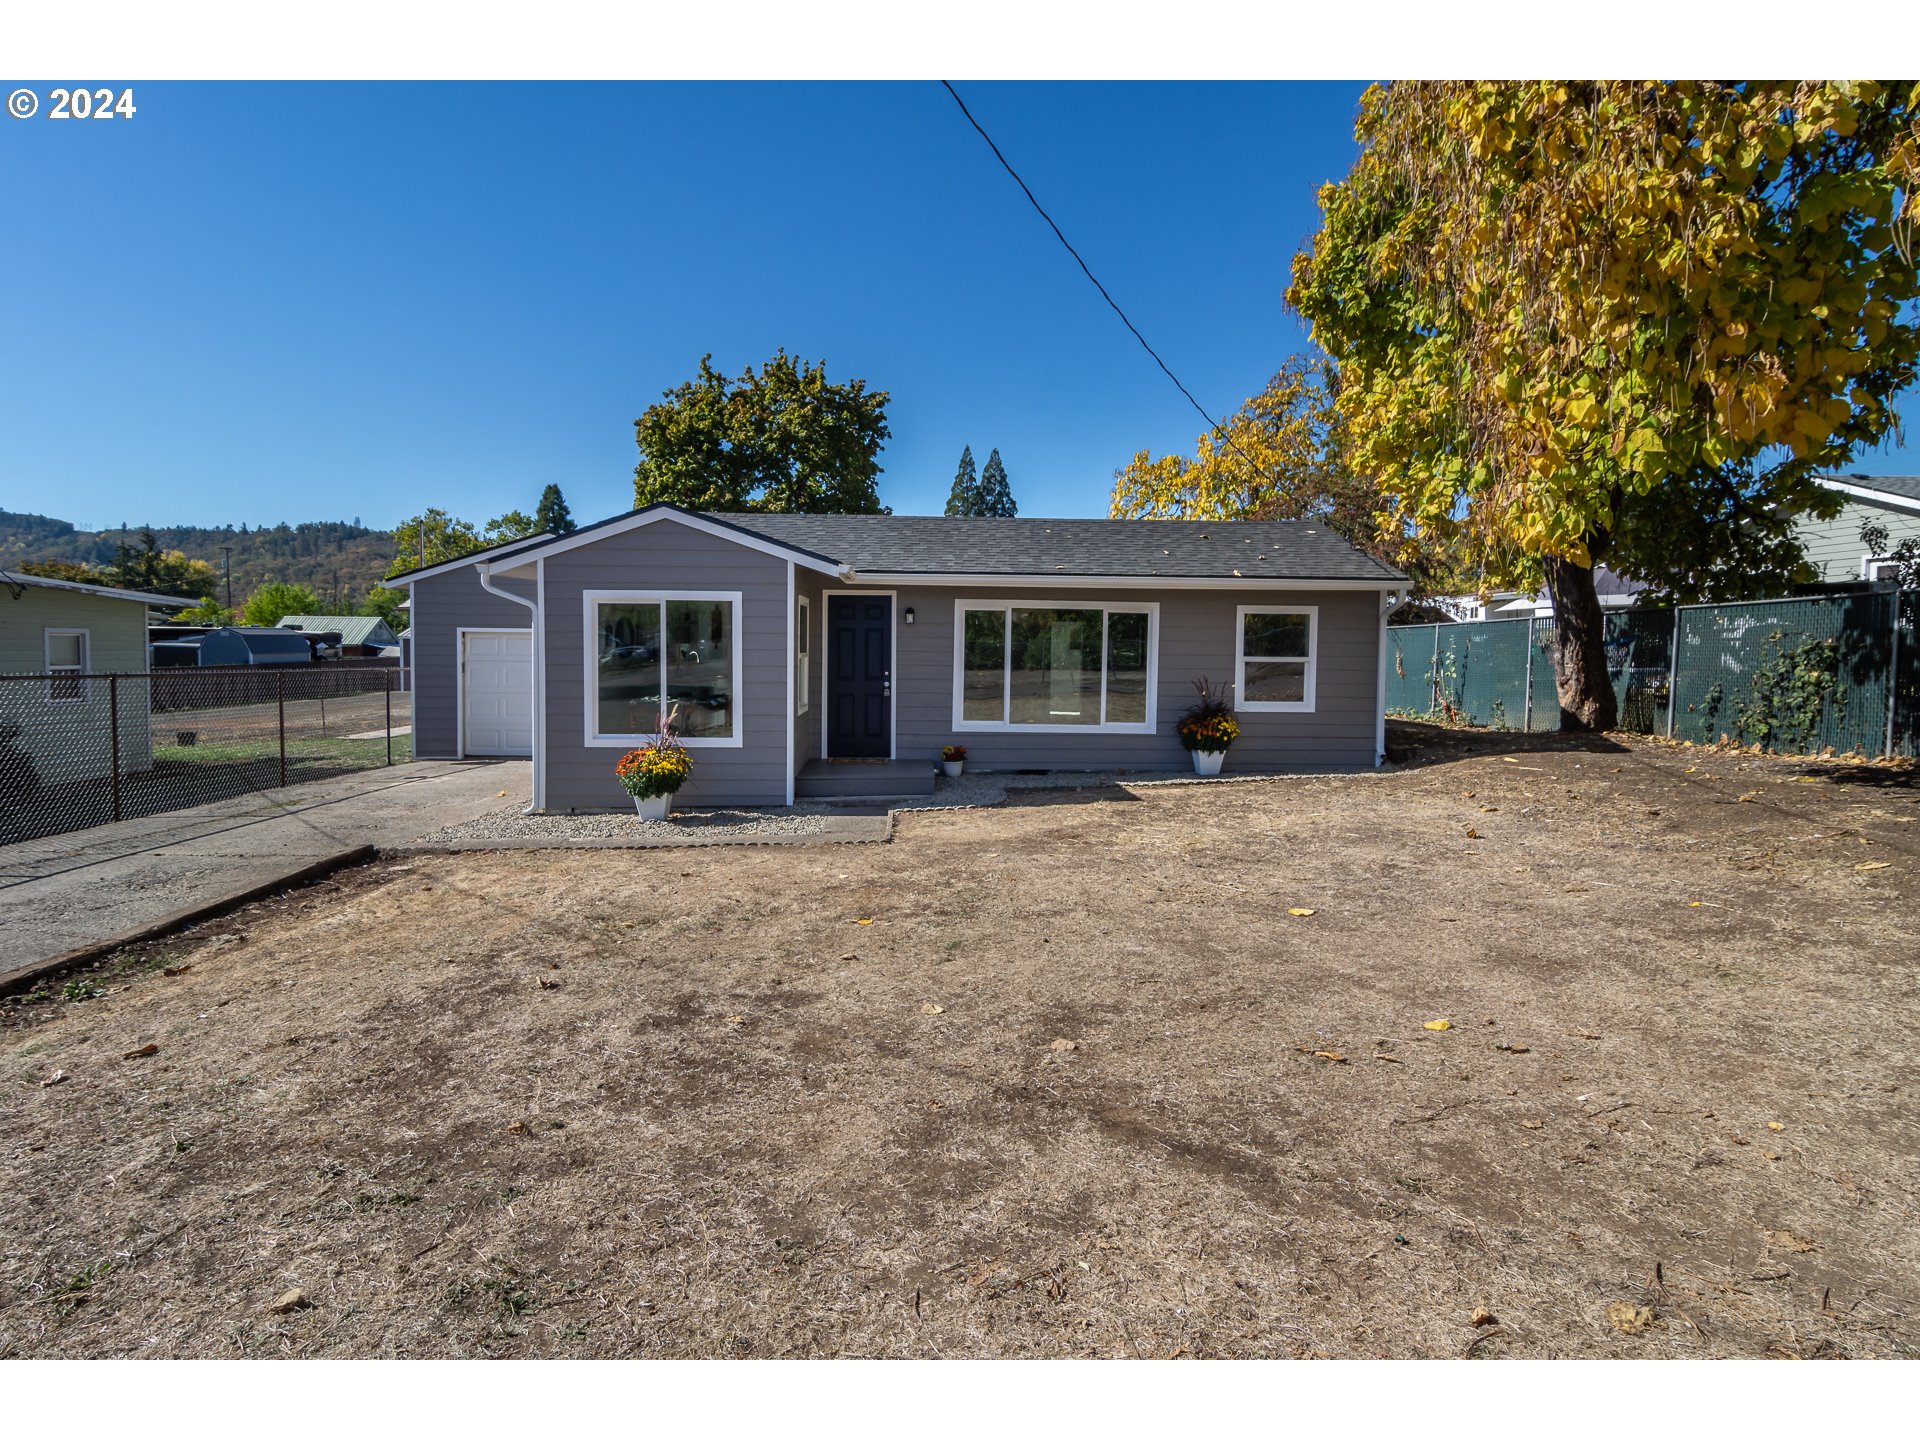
551 516
208 612
995 496
155 571
784 438
386 604
965 494
277 599
514 525
1568 316
432 538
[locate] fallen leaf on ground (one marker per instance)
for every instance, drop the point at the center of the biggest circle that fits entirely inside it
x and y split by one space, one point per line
145 1050
518 1127
1514 1049
291 1300
1749 797
501 795
1775 1125
1873 865
1333 1055
735 1020
1473 834
58 1077
848 955
1532 1124
1064 1045
1583 1034
1298 910
1629 1318
1481 1316
1438 1025
1390 1059
1787 1240
931 1009
864 921
173 970
1510 760
546 984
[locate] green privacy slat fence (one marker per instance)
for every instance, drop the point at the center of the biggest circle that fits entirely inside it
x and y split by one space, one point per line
1794 675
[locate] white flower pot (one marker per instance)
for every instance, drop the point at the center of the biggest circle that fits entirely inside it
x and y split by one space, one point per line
657 808
1208 762
952 768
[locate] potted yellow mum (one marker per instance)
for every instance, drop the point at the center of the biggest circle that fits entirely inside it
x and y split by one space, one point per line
1208 729
654 772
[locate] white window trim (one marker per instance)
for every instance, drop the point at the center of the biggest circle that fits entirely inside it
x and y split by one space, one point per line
1007 605
1240 657
590 600
803 663
1867 562
84 689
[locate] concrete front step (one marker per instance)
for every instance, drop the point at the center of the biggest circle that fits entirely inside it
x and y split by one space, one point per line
891 780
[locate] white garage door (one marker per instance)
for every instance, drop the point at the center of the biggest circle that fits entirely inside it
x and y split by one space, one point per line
496 669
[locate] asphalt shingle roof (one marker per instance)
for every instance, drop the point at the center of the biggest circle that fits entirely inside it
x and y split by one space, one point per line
1185 549
1905 486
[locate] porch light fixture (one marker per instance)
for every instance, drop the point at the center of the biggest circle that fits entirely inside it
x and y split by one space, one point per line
908 614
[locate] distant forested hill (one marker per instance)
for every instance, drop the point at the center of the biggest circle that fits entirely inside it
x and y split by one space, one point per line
337 561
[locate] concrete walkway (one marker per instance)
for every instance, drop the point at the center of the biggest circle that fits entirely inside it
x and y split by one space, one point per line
63 893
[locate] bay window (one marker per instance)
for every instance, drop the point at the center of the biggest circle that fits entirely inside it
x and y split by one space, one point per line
1054 666
676 651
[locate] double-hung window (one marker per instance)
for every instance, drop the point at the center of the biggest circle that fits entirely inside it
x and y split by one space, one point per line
67 665
673 652
1276 649
1052 666
803 657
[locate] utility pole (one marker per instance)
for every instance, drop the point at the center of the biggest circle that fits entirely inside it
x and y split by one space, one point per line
227 551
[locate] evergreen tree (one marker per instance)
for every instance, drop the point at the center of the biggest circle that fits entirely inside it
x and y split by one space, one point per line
994 497
552 515
965 495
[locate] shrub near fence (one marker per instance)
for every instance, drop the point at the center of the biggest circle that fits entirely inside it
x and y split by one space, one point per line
1791 675
82 750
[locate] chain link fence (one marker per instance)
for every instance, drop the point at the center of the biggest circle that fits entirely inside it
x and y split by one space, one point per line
1795 675
80 750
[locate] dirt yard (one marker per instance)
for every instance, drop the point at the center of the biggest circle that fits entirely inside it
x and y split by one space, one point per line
1062 1078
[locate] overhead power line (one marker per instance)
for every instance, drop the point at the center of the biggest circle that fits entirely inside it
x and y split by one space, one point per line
1212 424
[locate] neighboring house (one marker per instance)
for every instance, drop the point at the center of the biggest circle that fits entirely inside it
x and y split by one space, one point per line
1615 592
71 634
791 641
1834 548
360 635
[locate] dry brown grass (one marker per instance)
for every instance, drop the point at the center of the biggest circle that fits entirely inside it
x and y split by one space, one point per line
727 1125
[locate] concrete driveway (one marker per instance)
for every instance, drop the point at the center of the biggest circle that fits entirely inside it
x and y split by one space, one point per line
68 892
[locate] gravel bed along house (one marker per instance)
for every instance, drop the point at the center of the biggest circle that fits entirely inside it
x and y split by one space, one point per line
809 822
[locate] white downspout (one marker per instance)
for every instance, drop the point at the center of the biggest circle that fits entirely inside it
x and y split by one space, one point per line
485 571
1389 602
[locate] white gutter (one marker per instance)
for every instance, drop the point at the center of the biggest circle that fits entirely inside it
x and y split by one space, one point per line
1116 582
484 570
1867 492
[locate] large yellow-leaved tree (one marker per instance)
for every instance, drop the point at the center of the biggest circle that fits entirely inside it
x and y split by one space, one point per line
1628 322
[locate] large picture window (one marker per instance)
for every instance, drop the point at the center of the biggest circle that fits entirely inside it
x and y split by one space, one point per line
1027 666
1276 651
679 651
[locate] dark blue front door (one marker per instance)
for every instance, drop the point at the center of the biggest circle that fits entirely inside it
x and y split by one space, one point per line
860 677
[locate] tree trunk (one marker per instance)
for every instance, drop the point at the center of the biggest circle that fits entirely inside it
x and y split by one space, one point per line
1580 659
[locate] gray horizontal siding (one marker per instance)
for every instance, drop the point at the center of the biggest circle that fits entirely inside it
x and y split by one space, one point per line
1833 546
1196 639
670 556
442 606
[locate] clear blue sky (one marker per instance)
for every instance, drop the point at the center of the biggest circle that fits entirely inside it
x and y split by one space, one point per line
287 302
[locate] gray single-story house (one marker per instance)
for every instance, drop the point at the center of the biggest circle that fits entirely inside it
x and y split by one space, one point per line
792 642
